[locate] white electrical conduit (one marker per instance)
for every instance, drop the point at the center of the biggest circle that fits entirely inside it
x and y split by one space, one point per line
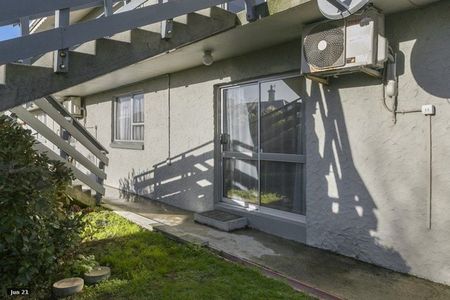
395 111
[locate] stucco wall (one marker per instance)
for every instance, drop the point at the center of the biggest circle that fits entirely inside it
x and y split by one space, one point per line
188 181
367 178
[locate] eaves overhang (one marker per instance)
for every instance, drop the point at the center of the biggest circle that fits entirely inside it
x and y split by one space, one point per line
284 22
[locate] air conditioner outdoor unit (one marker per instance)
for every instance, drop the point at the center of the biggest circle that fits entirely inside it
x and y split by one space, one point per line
354 44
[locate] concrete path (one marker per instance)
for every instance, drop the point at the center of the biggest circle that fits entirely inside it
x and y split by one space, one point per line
337 275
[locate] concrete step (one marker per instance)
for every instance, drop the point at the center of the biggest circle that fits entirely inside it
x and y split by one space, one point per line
221 220
122 37
181 19
180 25
81 197
87 48
87 191
155 27
45 60
193 19
215 13
82 193
105 49
78 187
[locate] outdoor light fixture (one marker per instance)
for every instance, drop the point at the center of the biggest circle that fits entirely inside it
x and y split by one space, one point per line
207 59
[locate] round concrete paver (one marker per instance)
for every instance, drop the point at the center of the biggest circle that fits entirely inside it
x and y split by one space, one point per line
68 287
97 274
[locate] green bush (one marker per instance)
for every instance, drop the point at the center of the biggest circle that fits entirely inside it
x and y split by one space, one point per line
37 225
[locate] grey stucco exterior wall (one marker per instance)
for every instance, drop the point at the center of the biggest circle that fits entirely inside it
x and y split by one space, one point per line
368 178
188 181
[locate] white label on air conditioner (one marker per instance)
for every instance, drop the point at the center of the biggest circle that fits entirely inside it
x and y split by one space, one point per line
360 42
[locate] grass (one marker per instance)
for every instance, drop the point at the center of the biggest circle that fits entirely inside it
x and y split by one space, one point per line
147 265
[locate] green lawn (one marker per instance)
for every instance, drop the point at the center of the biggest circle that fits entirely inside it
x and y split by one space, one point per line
147 265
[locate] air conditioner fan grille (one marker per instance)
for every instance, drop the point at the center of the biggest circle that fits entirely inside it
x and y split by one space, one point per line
324 45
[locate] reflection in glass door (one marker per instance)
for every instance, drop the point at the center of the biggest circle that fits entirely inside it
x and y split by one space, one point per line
262 149
240 144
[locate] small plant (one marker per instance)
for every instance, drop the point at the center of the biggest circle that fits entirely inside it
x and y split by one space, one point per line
80 265
38 226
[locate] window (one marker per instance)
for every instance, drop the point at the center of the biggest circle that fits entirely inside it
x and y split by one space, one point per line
129 119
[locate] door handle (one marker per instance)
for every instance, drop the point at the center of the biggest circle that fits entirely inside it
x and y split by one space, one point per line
224 139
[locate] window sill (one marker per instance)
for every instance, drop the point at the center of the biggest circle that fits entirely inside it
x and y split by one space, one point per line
127 145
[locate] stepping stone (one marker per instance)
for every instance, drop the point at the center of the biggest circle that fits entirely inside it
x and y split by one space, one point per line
97 274
68 287
221 220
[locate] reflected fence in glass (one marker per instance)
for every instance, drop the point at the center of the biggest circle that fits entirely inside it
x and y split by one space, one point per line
281 117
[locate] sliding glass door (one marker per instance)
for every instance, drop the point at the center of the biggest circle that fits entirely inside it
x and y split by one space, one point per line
261 143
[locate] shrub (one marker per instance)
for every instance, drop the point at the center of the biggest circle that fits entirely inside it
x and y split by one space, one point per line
37 225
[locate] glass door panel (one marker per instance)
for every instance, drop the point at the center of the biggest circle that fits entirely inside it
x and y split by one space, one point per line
240 144
262 150
240 181
281 186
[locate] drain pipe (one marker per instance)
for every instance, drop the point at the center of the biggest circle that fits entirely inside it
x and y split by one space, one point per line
390 89
169 160
430 174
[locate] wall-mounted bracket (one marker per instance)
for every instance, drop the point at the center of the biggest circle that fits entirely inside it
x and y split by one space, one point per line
322 80
61 56
61 61
372 72
166 29
166 26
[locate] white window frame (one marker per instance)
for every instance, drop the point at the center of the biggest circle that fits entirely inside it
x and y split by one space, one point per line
116 103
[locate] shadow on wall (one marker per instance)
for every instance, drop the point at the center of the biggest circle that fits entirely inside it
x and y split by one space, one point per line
185 182
340 210
430 55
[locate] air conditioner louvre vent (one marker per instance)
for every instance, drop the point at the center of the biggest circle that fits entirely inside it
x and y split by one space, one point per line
324 45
